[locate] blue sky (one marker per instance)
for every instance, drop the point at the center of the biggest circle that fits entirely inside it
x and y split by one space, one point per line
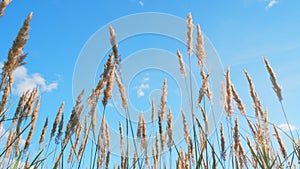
242 31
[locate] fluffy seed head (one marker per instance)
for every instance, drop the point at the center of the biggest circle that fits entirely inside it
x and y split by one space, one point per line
200 50
276 87
181 64
189 34
163 101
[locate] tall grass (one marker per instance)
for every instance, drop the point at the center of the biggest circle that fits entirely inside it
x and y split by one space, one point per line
254 147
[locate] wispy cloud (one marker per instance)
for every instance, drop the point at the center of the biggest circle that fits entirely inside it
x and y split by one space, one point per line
271 3
141 3
25 81
285 127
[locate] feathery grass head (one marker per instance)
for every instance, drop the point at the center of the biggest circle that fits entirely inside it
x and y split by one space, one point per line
59 131
109 86
169 129
204 90
207 128
3 5
238 100
200 50
236 136
43 132
15 55
152 111
181 64
122 91
114 45
281 145
185 127
228 98
33 123
253 94
121 138
74 118
189 34
56 121
163 101
223 151
277 89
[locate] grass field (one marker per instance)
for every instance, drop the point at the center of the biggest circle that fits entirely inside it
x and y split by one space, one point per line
258 145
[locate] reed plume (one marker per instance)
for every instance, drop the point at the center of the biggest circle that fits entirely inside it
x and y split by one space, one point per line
253 94
228 98
223 151
169 129
103 79
281 145
15 54
207 129
163 101
33 123
108 146
121 139
114 45
109 86
3 5
277 89
204 90
59 131
185 127
77 138
236 137
238 101
9 141
122 91
74 118
85 137
56 121
200 50
161 134
181 64
43 132
152 111
189 34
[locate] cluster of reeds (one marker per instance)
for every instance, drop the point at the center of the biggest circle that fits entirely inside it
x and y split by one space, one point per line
70 141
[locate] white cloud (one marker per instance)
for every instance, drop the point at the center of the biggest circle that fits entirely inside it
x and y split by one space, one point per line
285 127
141 88
141 3
24 81
271 3
146 79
